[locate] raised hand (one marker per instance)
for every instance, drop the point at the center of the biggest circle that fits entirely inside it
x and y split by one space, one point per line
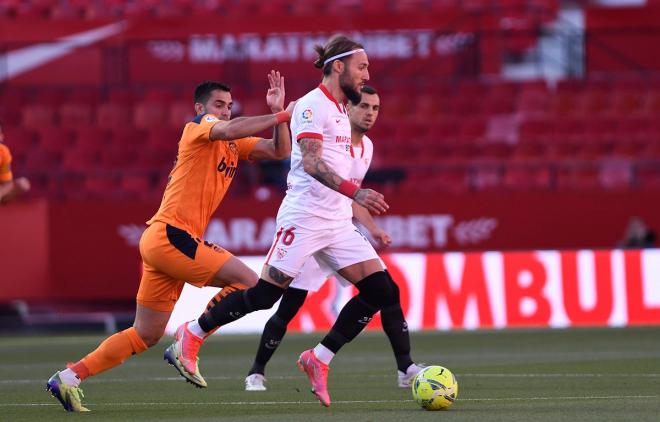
371 200
275 94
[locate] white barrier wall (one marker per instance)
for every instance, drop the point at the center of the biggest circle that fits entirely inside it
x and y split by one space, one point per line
486 290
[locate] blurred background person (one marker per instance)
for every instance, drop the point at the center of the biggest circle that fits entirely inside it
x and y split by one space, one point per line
638 235
10 188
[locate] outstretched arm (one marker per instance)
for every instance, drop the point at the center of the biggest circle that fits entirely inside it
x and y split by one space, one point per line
312 150
248 126
277 148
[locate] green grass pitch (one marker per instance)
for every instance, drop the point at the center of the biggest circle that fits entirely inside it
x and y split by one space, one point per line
521 375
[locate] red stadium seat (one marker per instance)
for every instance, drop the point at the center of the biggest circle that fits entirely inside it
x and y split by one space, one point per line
75 114
69 186
91 135
118 157
101 186
180 113
18 138
148 114
527 177
163 137
592 102
616 175
54 138
534 99
129 136
39 160
34 115
137 185
81 159
580 177
486 178
648 177
112 115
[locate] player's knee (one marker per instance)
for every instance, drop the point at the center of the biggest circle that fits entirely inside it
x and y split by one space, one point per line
376 290
262 296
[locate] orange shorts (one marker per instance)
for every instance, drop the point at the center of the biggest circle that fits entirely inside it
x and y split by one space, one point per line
172 257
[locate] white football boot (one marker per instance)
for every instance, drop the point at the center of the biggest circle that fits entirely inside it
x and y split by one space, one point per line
255 382
404 379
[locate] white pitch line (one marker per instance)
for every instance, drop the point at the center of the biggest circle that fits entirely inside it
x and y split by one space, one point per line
290 377
279 403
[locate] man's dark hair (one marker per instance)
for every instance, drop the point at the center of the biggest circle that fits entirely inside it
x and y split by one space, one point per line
336 45
366 89
204 90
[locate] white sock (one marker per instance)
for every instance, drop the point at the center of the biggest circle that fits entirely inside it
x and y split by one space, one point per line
194 328
323 354
69 377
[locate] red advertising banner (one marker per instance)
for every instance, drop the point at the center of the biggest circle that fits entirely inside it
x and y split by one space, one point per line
153 51
487 290
89 250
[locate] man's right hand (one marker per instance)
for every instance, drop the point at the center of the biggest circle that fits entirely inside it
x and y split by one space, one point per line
275 94
371 200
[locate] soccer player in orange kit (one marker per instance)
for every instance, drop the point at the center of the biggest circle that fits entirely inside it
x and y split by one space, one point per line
172 249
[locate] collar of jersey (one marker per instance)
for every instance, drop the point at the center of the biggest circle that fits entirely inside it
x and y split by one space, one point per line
361 146
327 93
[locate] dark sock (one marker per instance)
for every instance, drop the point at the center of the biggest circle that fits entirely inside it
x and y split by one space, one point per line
396 328
275 328
374 292
240 303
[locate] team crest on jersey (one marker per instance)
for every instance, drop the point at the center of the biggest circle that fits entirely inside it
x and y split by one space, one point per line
307 115
233 148
210 118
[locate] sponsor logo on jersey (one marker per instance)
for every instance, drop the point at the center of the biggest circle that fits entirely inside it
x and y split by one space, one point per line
307 115
342 139
209 118
228 169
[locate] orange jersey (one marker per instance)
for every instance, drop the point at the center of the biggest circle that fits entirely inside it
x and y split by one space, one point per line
5 163
201 176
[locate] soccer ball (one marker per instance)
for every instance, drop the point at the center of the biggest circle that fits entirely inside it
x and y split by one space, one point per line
435 388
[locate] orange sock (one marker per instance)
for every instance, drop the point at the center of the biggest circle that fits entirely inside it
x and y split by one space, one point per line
113 351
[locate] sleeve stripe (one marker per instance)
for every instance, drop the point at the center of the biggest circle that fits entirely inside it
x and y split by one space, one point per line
309 135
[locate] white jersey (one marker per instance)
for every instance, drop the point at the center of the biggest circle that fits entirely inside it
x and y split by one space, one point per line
315 273
318 115
361 157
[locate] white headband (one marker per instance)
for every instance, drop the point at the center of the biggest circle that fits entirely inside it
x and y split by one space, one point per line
339 56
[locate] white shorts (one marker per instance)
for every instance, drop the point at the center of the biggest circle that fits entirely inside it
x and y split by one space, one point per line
314 274
335 248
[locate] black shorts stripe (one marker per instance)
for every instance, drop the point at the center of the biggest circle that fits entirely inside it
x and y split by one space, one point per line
181 240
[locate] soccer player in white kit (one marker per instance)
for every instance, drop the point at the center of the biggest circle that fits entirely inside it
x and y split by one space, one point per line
362 117
315 218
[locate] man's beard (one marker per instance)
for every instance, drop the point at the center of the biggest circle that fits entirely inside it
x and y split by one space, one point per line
351 93
360 128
